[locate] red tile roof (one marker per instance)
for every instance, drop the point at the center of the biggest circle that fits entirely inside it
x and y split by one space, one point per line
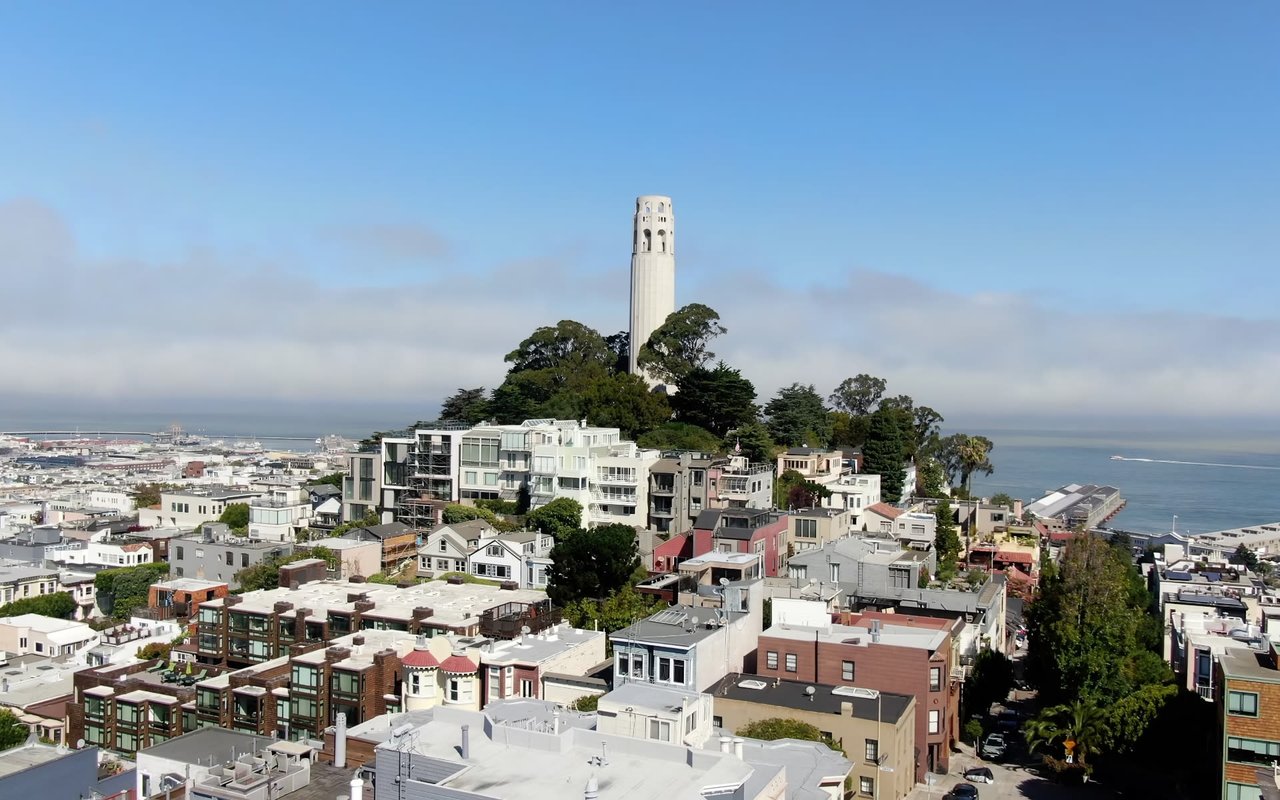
420 657
886 510
458 665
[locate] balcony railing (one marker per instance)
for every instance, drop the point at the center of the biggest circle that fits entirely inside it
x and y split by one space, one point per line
508 620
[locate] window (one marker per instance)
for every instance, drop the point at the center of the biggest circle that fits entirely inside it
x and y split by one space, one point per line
900 578
444 546
791 662
1252 751
771 659
244 559
495 683
671 670
697 477
126 714
935 679
691 721
867 786
935 721
1243 791
305 677
39 647
526 688
304 707
846 670
660 730
1244 704
806 529
835 573
872 751
231 559
179 552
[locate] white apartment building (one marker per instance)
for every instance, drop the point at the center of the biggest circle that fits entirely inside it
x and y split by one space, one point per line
101 551
280 514
187 508
854 491
46 636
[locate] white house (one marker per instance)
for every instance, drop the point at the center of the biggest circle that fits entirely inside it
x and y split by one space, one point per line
100 551
447 547
46 636
521 556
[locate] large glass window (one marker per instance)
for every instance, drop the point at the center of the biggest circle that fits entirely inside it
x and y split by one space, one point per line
347 683
1243 791
126 714
935 721
1244 704
303 707
846 670
1252 751
872 750
791 662
935 679
806 528
660 730
305 677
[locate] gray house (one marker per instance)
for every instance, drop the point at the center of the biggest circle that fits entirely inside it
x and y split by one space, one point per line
215 554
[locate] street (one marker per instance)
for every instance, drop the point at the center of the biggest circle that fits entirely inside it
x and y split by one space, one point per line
1012 780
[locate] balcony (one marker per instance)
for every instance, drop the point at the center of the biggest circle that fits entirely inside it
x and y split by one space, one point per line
617 478
507 621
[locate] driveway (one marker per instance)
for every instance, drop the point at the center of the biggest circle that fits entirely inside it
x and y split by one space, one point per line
1014 779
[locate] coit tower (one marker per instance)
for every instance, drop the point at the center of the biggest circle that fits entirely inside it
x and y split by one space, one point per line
653 271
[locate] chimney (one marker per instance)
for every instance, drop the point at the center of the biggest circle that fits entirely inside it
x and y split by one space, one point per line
592 791
875 630
466 742
340 740
726 744
737 747
357 787
846 709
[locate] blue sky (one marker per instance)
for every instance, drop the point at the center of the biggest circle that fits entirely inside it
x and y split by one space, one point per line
1087 159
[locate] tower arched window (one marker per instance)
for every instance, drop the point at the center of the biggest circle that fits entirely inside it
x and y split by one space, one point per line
646 208
662 208
662 241
647 245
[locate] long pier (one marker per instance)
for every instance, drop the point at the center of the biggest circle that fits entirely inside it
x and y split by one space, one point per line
97 434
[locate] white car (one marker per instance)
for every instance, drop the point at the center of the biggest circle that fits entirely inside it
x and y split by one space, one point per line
979 775
993 746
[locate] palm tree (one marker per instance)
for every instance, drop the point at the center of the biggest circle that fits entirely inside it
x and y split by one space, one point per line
1080 722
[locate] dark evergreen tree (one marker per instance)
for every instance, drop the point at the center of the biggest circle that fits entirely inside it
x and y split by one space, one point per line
883 454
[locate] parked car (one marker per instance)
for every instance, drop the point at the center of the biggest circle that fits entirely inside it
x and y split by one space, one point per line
1008 722
979 775
964 791
993 746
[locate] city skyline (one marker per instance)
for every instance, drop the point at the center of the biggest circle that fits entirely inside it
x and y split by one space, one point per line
1005 211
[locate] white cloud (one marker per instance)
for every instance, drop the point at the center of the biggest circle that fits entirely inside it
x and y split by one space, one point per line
207 328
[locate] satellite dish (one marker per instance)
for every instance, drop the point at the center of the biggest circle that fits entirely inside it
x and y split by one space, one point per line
80 744
810 691
724 581
525 629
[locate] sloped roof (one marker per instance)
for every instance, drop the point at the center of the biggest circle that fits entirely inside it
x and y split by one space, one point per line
458 665
420 657
885 510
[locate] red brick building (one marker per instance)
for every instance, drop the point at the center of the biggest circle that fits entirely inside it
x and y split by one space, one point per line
895 653
729 530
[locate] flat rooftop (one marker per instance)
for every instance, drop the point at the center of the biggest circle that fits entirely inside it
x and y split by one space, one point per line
891 635
534 649
824 700
199 746
452 605
188 584
25 757
1250 665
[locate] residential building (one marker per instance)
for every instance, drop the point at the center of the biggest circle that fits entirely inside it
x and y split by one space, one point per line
44 636
188 508
744 530
232 765
1230 588
738 483
881 518
532 750
355 558
127 707
808 528
657 713
399 542
1248 706
520 556
179 597
530 665
262 625
1221 545
889 653
815 464
872 566
30 545
1196 639
876 730
216 554
32 682
280 514
853 492
102 551
362 488
55 773
18 582
446 548
326 506
691 646
980 519
680 487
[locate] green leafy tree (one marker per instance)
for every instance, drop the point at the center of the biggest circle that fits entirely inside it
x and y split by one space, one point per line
753 442
681 436
521 396
974 454
718 399
119 591
848 430
592 564
146 495
235 515
13 731
59 604
990 682
507 507
1002 499
470 406
858 396
619 345
588 702
332 479
559 518
621 400
793 491
561 350
626 607
1245 557
775 728
1080 722
455 513
925 431
796 415
946 542
883 454
263 575
1091 634
931 481
681 343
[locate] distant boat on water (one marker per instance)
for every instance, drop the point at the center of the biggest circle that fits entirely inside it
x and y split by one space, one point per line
1117 458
